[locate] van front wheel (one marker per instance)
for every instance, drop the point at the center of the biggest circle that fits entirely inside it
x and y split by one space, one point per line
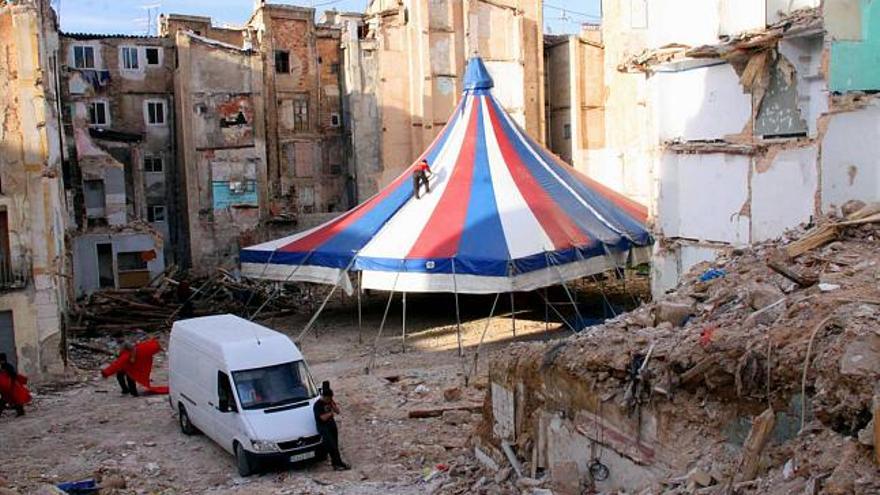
186 426
243 461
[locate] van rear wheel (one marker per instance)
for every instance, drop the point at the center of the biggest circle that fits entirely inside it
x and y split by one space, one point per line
186 426
243 461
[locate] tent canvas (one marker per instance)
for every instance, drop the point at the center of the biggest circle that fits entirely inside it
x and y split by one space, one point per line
503 214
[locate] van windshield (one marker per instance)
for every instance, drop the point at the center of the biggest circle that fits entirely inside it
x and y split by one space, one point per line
271 386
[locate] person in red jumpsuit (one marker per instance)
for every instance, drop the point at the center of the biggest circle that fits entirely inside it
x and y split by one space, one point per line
420 176
134 366
13 387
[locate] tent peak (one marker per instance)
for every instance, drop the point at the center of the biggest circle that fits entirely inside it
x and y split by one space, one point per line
477 76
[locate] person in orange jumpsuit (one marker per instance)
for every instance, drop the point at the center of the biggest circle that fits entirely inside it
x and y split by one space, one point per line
13 387
134 366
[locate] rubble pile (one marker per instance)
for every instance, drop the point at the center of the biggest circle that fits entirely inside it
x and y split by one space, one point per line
156 306
761 371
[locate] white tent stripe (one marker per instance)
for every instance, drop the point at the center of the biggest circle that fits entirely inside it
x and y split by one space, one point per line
398 236
523 233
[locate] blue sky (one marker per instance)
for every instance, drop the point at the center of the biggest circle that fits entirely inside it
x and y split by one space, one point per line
130 16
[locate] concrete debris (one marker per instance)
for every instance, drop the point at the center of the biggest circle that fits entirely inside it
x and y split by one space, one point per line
741 346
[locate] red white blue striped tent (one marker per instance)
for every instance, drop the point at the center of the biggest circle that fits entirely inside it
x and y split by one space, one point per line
503 215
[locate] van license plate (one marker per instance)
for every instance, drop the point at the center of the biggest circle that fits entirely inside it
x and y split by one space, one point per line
303 456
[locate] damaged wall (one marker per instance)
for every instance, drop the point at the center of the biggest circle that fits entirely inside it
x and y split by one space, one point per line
224 180
32 203
752 143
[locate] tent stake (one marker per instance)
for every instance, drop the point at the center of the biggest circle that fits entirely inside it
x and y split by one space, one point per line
457 312
482 337
403 324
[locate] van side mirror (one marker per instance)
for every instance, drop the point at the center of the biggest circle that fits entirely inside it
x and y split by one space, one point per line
225 406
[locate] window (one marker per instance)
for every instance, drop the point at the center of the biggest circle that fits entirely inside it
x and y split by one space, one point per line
282 61
152 55
276 385
155 213
156 112
153 163
225 399
334 68
334 120
98 113
566 131
301 113
84 57
130 261
132 270
129 57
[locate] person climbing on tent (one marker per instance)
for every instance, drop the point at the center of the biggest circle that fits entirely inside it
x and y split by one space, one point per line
133 366
13 387
420 176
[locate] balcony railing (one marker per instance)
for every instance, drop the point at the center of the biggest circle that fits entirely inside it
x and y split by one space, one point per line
13 275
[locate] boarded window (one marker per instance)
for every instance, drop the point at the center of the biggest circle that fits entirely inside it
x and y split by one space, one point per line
98 114
566 131
301 113
84 57
304 159
129 58
152 56
282 62
95 201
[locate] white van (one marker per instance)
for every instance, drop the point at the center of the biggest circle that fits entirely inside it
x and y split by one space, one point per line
246 387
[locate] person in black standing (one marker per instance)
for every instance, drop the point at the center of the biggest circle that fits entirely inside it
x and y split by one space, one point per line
325 410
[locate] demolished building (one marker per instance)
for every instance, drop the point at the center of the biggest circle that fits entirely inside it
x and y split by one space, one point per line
734 123
121 165
402 65
33 207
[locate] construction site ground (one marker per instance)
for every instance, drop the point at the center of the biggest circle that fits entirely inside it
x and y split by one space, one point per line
83 427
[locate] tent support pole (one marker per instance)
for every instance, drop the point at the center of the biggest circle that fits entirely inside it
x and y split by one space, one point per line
513 314
565 286
482 337
547 307
457 311
343 273
403 323
360 312
546 311
381 326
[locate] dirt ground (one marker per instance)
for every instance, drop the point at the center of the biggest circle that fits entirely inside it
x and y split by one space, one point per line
87 428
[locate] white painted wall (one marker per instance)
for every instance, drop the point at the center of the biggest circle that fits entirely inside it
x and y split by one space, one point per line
783 196
689 22
738 16
705 103
806 56
702 195
850 153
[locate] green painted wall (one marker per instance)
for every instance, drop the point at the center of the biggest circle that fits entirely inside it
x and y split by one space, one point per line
855 65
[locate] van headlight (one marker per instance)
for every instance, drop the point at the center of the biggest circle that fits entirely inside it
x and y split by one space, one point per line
263 447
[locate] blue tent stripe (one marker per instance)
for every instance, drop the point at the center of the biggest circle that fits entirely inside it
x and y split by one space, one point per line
482 235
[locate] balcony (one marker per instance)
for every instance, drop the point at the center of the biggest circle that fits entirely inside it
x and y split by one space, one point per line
14 276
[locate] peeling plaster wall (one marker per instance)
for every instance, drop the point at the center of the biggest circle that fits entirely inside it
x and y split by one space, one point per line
214 83
855 64
783 193
86 258
850 149
31 196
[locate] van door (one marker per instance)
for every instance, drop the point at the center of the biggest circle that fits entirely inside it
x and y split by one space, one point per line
227 422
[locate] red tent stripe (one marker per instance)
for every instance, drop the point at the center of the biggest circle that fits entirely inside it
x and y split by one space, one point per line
563 232
442 233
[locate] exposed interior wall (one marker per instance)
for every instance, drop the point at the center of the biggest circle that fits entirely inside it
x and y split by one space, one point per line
87 262
221 131
855 63
30 178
